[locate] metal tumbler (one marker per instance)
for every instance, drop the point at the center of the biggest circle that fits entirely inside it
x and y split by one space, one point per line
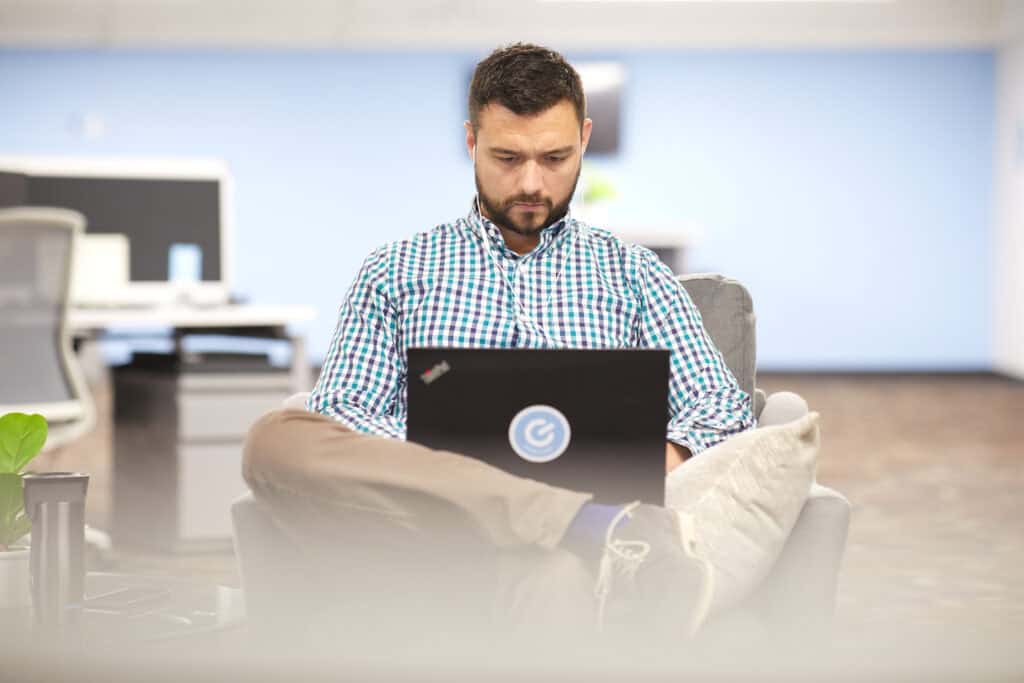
55 501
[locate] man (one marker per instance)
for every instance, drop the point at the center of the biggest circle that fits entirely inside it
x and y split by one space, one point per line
517 272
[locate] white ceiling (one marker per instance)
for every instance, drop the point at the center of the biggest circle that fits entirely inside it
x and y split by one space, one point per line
469 24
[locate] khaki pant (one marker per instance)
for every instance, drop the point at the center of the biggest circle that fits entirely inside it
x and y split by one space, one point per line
335 491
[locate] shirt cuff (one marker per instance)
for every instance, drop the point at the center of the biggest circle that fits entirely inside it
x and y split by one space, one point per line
696 441
374 427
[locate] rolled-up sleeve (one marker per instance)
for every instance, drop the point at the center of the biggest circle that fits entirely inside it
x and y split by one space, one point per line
705 403
363 371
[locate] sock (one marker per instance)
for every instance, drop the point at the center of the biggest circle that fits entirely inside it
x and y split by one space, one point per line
586 533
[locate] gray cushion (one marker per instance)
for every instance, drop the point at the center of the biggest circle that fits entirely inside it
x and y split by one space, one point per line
728 314
782 407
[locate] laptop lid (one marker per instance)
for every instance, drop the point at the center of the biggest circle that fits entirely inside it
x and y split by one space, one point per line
581 419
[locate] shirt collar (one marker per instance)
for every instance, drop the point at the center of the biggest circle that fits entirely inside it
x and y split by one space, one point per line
547 236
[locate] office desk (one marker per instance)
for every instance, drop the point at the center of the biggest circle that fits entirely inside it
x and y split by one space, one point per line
179 430
243 320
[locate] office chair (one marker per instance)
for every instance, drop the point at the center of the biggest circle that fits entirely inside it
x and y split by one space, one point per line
798 596
38 370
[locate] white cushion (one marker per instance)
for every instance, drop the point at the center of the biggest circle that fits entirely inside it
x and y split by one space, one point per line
745 495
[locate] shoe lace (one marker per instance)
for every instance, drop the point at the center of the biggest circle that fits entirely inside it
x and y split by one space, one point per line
621 558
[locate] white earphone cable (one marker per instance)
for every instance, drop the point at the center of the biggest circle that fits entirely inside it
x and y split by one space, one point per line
479 229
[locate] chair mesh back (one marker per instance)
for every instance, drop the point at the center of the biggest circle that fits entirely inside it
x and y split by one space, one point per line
34 267
728 314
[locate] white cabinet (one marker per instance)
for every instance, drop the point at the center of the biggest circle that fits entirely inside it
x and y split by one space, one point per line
178 436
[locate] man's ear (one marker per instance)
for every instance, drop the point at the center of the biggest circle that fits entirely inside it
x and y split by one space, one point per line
588 128
470 139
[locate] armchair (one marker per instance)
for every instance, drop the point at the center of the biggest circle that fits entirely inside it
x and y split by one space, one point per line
797 596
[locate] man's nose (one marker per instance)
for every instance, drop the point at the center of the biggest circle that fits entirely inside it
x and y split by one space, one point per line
532 180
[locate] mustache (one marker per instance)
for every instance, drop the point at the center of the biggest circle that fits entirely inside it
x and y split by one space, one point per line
529 199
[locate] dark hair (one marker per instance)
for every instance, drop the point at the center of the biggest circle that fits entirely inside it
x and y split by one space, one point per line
527 79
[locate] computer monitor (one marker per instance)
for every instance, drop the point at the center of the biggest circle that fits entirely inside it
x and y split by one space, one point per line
157 205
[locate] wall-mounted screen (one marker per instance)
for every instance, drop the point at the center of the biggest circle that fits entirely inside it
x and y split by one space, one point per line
603 83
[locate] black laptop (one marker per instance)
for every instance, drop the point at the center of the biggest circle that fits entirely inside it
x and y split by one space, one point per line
587 420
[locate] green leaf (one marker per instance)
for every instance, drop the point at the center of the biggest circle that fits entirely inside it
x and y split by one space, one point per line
14 523
598 189
21 438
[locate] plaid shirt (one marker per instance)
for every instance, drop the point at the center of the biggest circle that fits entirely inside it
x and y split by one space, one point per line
459 285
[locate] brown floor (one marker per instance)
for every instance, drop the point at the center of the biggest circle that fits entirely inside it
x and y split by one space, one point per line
934 467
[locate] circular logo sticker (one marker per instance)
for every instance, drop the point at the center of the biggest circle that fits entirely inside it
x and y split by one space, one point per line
539 433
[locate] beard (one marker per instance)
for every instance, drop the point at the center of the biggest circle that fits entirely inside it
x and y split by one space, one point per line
498 211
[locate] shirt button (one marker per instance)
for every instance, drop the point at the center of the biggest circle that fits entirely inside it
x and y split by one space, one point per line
523 318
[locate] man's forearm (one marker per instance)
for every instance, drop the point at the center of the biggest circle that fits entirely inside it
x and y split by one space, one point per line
675 455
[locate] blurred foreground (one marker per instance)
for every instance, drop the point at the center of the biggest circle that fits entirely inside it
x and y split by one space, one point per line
930 588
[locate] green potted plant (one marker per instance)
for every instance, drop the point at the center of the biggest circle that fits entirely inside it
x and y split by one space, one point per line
21 438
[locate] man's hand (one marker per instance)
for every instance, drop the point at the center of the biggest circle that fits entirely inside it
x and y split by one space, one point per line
675 455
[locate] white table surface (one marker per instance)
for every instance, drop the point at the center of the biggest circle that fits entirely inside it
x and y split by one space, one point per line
178 315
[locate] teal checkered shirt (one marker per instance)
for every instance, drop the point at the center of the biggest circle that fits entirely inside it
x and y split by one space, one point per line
459 285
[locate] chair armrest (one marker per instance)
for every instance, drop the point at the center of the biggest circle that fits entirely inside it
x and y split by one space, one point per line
799 594
800 591
758 401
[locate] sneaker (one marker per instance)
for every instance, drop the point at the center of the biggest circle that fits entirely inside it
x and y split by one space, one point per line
652 571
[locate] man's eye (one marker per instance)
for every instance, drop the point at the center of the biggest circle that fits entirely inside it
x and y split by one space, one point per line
506 158
556 159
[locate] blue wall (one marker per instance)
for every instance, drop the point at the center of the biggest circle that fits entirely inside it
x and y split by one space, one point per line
850 190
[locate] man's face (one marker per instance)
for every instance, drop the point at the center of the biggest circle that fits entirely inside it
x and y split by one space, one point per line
527 166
